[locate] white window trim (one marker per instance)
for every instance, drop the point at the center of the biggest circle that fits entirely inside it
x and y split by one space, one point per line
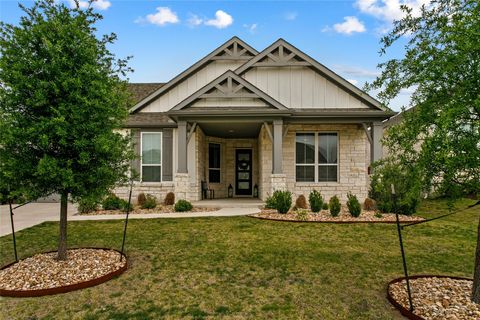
316 164
219 169
151 164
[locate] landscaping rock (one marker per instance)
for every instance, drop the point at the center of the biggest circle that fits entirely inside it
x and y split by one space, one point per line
139 210
344 216
438 298
44 271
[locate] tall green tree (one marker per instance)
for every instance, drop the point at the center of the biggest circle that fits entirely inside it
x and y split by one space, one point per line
62 101
441 133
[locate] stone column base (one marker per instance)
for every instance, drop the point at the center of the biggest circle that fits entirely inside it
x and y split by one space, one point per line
278 181
181 186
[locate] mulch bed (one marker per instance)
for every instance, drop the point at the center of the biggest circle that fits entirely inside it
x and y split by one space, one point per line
43 271
435 298
344 216
139 210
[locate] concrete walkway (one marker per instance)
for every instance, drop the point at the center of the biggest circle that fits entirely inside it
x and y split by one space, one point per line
30 214
36 213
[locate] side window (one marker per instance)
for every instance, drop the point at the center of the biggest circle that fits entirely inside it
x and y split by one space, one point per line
214 162
151 156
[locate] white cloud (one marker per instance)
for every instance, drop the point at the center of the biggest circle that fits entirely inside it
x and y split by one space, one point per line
356 71
97 4
163 16
222 20
349 26
251 27
102 4
194 20
389 10
290 16
353 81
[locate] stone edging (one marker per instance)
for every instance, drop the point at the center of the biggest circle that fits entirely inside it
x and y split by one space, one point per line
337 222
67 288
404 311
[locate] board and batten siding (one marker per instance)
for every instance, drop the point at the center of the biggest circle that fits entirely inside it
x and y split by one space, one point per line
191 84
301 87
237 102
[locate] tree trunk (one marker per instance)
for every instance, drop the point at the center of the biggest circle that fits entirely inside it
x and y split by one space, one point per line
62 241
476 275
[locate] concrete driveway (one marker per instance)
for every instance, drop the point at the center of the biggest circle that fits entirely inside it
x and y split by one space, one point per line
30 215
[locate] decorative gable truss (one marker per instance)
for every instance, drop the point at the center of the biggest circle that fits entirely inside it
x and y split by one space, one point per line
229 86
235 51
280 56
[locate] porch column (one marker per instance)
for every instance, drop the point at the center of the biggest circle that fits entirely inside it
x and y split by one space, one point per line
277 147
376 151
182 147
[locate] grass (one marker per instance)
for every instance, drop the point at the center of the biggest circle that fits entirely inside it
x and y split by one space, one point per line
243 268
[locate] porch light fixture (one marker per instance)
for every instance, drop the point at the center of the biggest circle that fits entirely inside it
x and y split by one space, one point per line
230 191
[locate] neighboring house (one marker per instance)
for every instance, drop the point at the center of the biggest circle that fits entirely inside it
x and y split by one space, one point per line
275 119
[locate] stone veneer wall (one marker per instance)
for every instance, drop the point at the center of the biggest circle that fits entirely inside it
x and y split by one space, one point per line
353 162
227 163
265 163
157 189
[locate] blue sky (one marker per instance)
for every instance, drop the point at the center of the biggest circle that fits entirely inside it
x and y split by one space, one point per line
165 37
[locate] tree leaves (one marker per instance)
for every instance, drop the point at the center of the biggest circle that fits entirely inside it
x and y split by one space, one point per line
441 134
62 100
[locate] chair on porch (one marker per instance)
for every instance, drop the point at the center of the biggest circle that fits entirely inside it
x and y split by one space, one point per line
207 193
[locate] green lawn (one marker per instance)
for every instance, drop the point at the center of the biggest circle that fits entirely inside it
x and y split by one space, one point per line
244 268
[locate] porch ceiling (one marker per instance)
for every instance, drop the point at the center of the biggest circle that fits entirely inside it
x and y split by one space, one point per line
231 130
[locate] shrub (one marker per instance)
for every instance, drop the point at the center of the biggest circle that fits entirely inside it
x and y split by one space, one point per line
334 205
183 205
316 201
325 206
270 203
301 202
150 202
141 199
124 205
407 184
88 204
112 202
280 200
169 199
302 215
283 200
378 215
369 204
353 205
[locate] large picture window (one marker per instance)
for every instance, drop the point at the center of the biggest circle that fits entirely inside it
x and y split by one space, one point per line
316 157
214 162
151 156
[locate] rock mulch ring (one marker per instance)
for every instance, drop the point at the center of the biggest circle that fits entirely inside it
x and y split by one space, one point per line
44 271
344 216
139 210
436 298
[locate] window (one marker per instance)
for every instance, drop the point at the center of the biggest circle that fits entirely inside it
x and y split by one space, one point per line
316 157
214 162
151 156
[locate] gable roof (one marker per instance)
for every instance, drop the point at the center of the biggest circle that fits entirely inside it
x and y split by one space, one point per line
140 91
229 85
233 49
289 55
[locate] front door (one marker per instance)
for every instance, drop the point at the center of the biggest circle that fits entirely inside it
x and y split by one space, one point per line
243 172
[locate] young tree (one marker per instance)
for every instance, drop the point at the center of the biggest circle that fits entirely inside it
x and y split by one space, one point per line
62 101
441 134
